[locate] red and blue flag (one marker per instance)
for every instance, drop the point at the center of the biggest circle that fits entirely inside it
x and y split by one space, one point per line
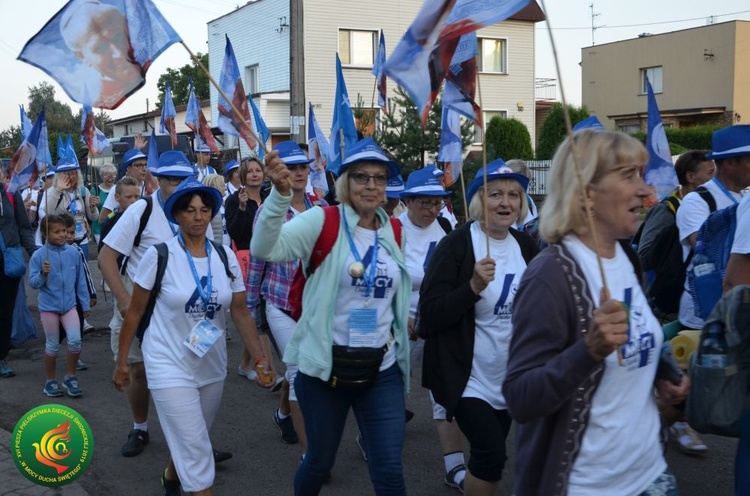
230 81
196 121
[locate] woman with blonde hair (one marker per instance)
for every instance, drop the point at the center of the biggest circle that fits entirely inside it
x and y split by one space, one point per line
584 356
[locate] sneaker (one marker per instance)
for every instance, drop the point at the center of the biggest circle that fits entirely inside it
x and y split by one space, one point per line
286 428
221 456
5 370
450 477
687 439
137 439
250 374
52 389
87 327
171 487
81 365
277 386
361 445
70 383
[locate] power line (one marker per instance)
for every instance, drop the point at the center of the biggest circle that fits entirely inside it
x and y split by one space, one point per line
647 23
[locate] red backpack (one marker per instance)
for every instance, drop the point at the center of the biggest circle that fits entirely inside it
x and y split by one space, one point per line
324 244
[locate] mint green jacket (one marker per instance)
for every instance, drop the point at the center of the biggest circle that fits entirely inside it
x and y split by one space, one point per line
277 241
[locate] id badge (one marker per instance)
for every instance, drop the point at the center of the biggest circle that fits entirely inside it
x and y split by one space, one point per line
79 230
202 337
363 326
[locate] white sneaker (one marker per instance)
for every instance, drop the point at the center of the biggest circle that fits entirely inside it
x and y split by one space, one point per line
687 439
86 326
250 374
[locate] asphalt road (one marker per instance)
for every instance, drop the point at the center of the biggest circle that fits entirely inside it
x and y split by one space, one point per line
262 464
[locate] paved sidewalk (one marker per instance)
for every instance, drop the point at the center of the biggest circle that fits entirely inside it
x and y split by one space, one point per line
12 483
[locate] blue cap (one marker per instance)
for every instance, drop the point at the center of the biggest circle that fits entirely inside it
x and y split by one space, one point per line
366 150
292 154
191 185
495 170
394 187
230 166
435 170
50 171
201 147
732 141
589 123
131 156
174 164
424 182
67 159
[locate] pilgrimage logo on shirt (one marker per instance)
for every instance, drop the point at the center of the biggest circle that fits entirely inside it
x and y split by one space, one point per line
383 283
194 306
639 350
504 305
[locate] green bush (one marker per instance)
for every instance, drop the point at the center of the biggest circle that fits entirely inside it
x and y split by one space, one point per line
554 132
508 139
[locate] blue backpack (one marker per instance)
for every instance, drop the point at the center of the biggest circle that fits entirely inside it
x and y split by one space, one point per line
712 249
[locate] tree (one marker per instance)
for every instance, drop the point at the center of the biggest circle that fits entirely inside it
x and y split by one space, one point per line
60 117
9 140
403 136
553 131
508 139
179 82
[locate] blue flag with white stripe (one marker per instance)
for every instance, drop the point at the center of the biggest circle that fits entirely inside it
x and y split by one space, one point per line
343 129
660 172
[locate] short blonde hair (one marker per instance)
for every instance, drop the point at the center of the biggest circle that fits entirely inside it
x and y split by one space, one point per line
79 180
214 180
342 182
476 205
598 152
108 168
518 166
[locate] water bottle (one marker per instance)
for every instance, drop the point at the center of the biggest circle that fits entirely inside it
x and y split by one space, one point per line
714 352
707 283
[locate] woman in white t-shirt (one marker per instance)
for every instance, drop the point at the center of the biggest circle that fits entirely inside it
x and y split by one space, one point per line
466 312
184 349
583 359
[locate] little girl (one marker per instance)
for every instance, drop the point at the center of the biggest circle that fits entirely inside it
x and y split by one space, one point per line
56 271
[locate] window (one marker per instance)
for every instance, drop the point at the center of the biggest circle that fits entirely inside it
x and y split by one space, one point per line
654 75
487 116
630 128
252 86
493 55
357 48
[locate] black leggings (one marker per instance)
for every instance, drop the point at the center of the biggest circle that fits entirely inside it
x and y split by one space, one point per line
486 429
8 293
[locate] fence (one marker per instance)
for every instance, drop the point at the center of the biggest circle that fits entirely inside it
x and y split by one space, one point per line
538 176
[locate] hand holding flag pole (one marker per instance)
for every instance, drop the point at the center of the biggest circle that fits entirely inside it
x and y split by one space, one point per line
605 294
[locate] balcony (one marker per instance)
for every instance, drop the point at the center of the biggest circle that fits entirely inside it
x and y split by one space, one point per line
546 89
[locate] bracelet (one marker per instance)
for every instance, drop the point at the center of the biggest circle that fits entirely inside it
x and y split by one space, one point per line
260 359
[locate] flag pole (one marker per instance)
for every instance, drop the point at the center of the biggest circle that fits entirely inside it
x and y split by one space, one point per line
579 172
485 196
224 95
463 191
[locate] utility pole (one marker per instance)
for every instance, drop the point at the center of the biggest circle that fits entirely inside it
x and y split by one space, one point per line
297 71
594 15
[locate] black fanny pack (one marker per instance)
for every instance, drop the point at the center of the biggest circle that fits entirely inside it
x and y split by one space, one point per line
355 369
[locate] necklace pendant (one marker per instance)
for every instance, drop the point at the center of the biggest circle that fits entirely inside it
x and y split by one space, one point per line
356 270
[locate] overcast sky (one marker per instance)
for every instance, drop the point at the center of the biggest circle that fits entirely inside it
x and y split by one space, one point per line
570 20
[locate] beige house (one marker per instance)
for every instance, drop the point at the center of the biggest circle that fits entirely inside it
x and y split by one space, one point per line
259 32
699 76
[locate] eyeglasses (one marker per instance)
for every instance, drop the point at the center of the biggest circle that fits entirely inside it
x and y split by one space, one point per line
109 176
361 178
430 205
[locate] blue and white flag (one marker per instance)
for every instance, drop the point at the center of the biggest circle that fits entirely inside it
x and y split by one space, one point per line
196 121
99 51
43 155
25 123
377 71
23 168
460 94
343 129
152 160
168 114
91 135
660 172
451 147
317 148
423 57
230 81
259 126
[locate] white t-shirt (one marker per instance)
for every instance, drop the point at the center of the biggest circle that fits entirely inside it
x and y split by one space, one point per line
111 204
169 363
691 215
620 452
351 295
201 174
741 242
420 245
493 323
30 193
533 213
444 212
158 229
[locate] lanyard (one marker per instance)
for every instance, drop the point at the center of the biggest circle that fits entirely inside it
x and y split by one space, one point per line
204 294
161 202
370 279
725 190
73 205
